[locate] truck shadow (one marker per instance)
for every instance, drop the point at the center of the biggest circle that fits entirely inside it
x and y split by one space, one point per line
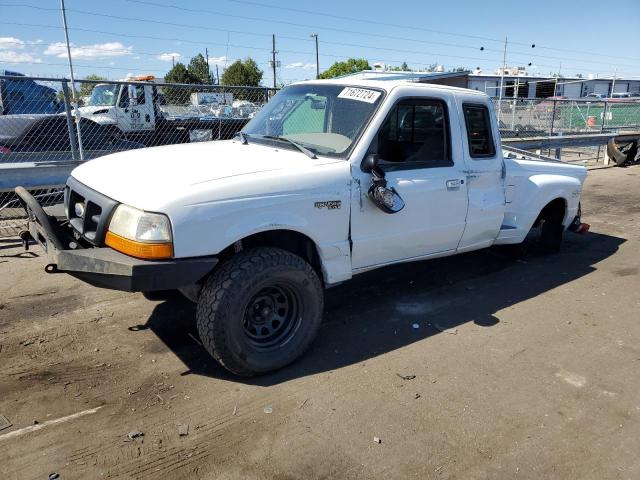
387 309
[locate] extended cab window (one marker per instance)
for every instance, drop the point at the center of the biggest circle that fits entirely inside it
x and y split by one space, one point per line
479 135
415 135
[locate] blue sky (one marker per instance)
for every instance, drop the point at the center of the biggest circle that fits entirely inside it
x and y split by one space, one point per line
578 37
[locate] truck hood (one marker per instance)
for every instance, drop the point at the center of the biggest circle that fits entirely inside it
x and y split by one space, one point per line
152 178
90 109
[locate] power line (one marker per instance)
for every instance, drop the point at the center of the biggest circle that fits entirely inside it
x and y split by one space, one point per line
296 38
262 48
373 22
86 66
118 17
146 2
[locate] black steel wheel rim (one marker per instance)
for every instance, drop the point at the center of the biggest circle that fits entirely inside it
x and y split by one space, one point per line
272 316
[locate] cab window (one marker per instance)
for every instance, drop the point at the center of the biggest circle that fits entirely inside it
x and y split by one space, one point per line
415 134
479 136
124 96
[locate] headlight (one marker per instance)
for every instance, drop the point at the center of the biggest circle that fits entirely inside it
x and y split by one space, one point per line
140 234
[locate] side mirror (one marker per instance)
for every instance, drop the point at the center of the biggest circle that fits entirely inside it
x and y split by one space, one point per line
318 104
133 94
386 199
370 165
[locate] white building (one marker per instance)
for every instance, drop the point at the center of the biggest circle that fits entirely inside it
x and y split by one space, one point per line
517 82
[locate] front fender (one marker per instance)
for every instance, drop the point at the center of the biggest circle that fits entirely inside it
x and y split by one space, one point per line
208 228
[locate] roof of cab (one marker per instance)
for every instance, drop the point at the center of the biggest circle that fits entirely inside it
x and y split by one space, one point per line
388 85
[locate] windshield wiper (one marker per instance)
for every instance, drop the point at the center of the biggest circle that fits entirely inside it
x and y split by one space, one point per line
243 137
304 150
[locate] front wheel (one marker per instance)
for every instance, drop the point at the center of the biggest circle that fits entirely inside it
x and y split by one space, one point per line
260 310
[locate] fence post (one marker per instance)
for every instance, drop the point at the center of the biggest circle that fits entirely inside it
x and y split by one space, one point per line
604 116
67 109
553 117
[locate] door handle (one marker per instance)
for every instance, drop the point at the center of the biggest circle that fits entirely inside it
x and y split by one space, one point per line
453 184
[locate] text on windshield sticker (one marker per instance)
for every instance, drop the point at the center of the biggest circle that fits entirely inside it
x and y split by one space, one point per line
360 94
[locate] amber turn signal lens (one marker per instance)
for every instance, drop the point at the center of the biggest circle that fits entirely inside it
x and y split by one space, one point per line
149 251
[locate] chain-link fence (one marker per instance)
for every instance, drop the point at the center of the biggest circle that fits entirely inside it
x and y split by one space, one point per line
45 124
525 117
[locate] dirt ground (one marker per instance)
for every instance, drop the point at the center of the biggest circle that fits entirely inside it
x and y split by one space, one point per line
523 369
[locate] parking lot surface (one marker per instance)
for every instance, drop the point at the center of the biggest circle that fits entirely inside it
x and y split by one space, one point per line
473 367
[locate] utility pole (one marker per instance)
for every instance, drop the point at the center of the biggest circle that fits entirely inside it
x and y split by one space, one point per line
315 35
613 83
504 65
206 52
217 75
74 102
173 60
273 60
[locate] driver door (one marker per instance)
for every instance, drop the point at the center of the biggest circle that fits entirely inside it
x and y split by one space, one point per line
138 116
415 151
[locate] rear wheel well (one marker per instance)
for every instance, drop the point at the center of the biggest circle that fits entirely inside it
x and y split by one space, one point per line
555 210
289 240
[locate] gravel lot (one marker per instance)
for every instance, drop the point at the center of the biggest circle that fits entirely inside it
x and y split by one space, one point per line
523 369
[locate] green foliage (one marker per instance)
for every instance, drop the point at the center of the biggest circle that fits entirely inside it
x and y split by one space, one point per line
402 68
245 73
178 74
198 69
86 88
352 65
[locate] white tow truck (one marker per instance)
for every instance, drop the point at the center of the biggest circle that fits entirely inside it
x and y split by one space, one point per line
135 109
330 179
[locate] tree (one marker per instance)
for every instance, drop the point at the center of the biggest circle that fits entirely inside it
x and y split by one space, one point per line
86 88
199 70
178 74
245 73
352 65
402 68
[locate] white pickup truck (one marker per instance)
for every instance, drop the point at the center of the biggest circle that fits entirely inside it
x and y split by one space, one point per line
330 179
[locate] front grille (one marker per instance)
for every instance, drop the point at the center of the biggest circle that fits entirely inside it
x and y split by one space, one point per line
88 211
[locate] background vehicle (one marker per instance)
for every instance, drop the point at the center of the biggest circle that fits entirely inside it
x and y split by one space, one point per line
26 96
330 179
140 112
39 137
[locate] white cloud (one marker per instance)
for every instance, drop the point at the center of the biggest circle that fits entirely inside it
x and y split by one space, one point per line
11 43
97 50
10 56
169 57
303 66
223 60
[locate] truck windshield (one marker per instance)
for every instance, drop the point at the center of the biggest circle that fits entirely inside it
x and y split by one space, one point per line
325 119
104 95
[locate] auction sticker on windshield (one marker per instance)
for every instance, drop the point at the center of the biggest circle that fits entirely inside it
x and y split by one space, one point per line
360 94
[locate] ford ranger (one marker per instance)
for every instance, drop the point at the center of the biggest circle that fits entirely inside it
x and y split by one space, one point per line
330 179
